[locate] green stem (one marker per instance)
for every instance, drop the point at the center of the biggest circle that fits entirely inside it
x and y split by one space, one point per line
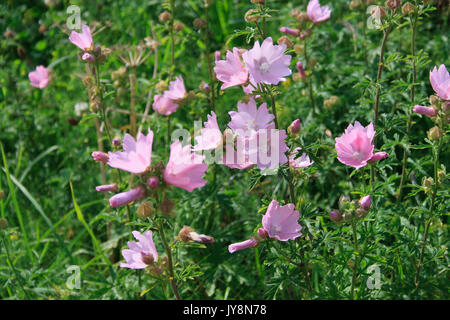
412 94
432 208
355 266
208 59
310 88
170 263
172 39
18 276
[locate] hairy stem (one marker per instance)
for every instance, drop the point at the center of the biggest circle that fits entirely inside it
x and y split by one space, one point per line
355 266
170 262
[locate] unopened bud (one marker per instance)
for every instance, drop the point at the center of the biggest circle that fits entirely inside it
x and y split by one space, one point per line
199 23
165 16
145 210
286 41
435 133
153 182
117 142
262 233
206 88
365 202
294 127
335 215
100 156
289 31
408 8
393 4
178 26
252 15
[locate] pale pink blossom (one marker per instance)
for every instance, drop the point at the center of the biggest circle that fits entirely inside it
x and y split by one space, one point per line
140 254
184 169
249 117
299 162
267 63
127 197
426 111
82 40
440 81
354 148
316 12
236 155
377 156
164 105
136 157
40 77
267 147
176 90
281 222
231 71
211 136
251 243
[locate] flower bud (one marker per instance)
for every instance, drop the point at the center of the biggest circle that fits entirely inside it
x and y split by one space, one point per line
301 69
393 4
217 55
116 142
187 234
100 156
145 210
106 187
290 31
286 41
165 16
360 213
252 16
178 26
426 111
335 215
127 197
153 182
199 23
206 88
251 243
365 202
435 133
88 57
3 223
408 8
378 156
262 233
294 127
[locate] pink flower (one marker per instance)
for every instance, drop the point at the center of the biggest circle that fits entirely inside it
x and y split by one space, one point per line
354 147
142 253
184 169
299 162
267 147
290 31
267 63
211 136
231 71
137 155
176 90
251 243
164 105
39 78
281 222
317 13
127 197
378 156
440 81
423 110
249 117
100 156
217 55
82 40
236 155
106 187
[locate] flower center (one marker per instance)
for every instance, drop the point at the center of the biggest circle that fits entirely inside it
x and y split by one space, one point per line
264 67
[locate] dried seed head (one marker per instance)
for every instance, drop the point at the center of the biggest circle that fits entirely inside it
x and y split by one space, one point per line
199 23
435 133
285 40
252 16
165 16
145 210
408 8
178 26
